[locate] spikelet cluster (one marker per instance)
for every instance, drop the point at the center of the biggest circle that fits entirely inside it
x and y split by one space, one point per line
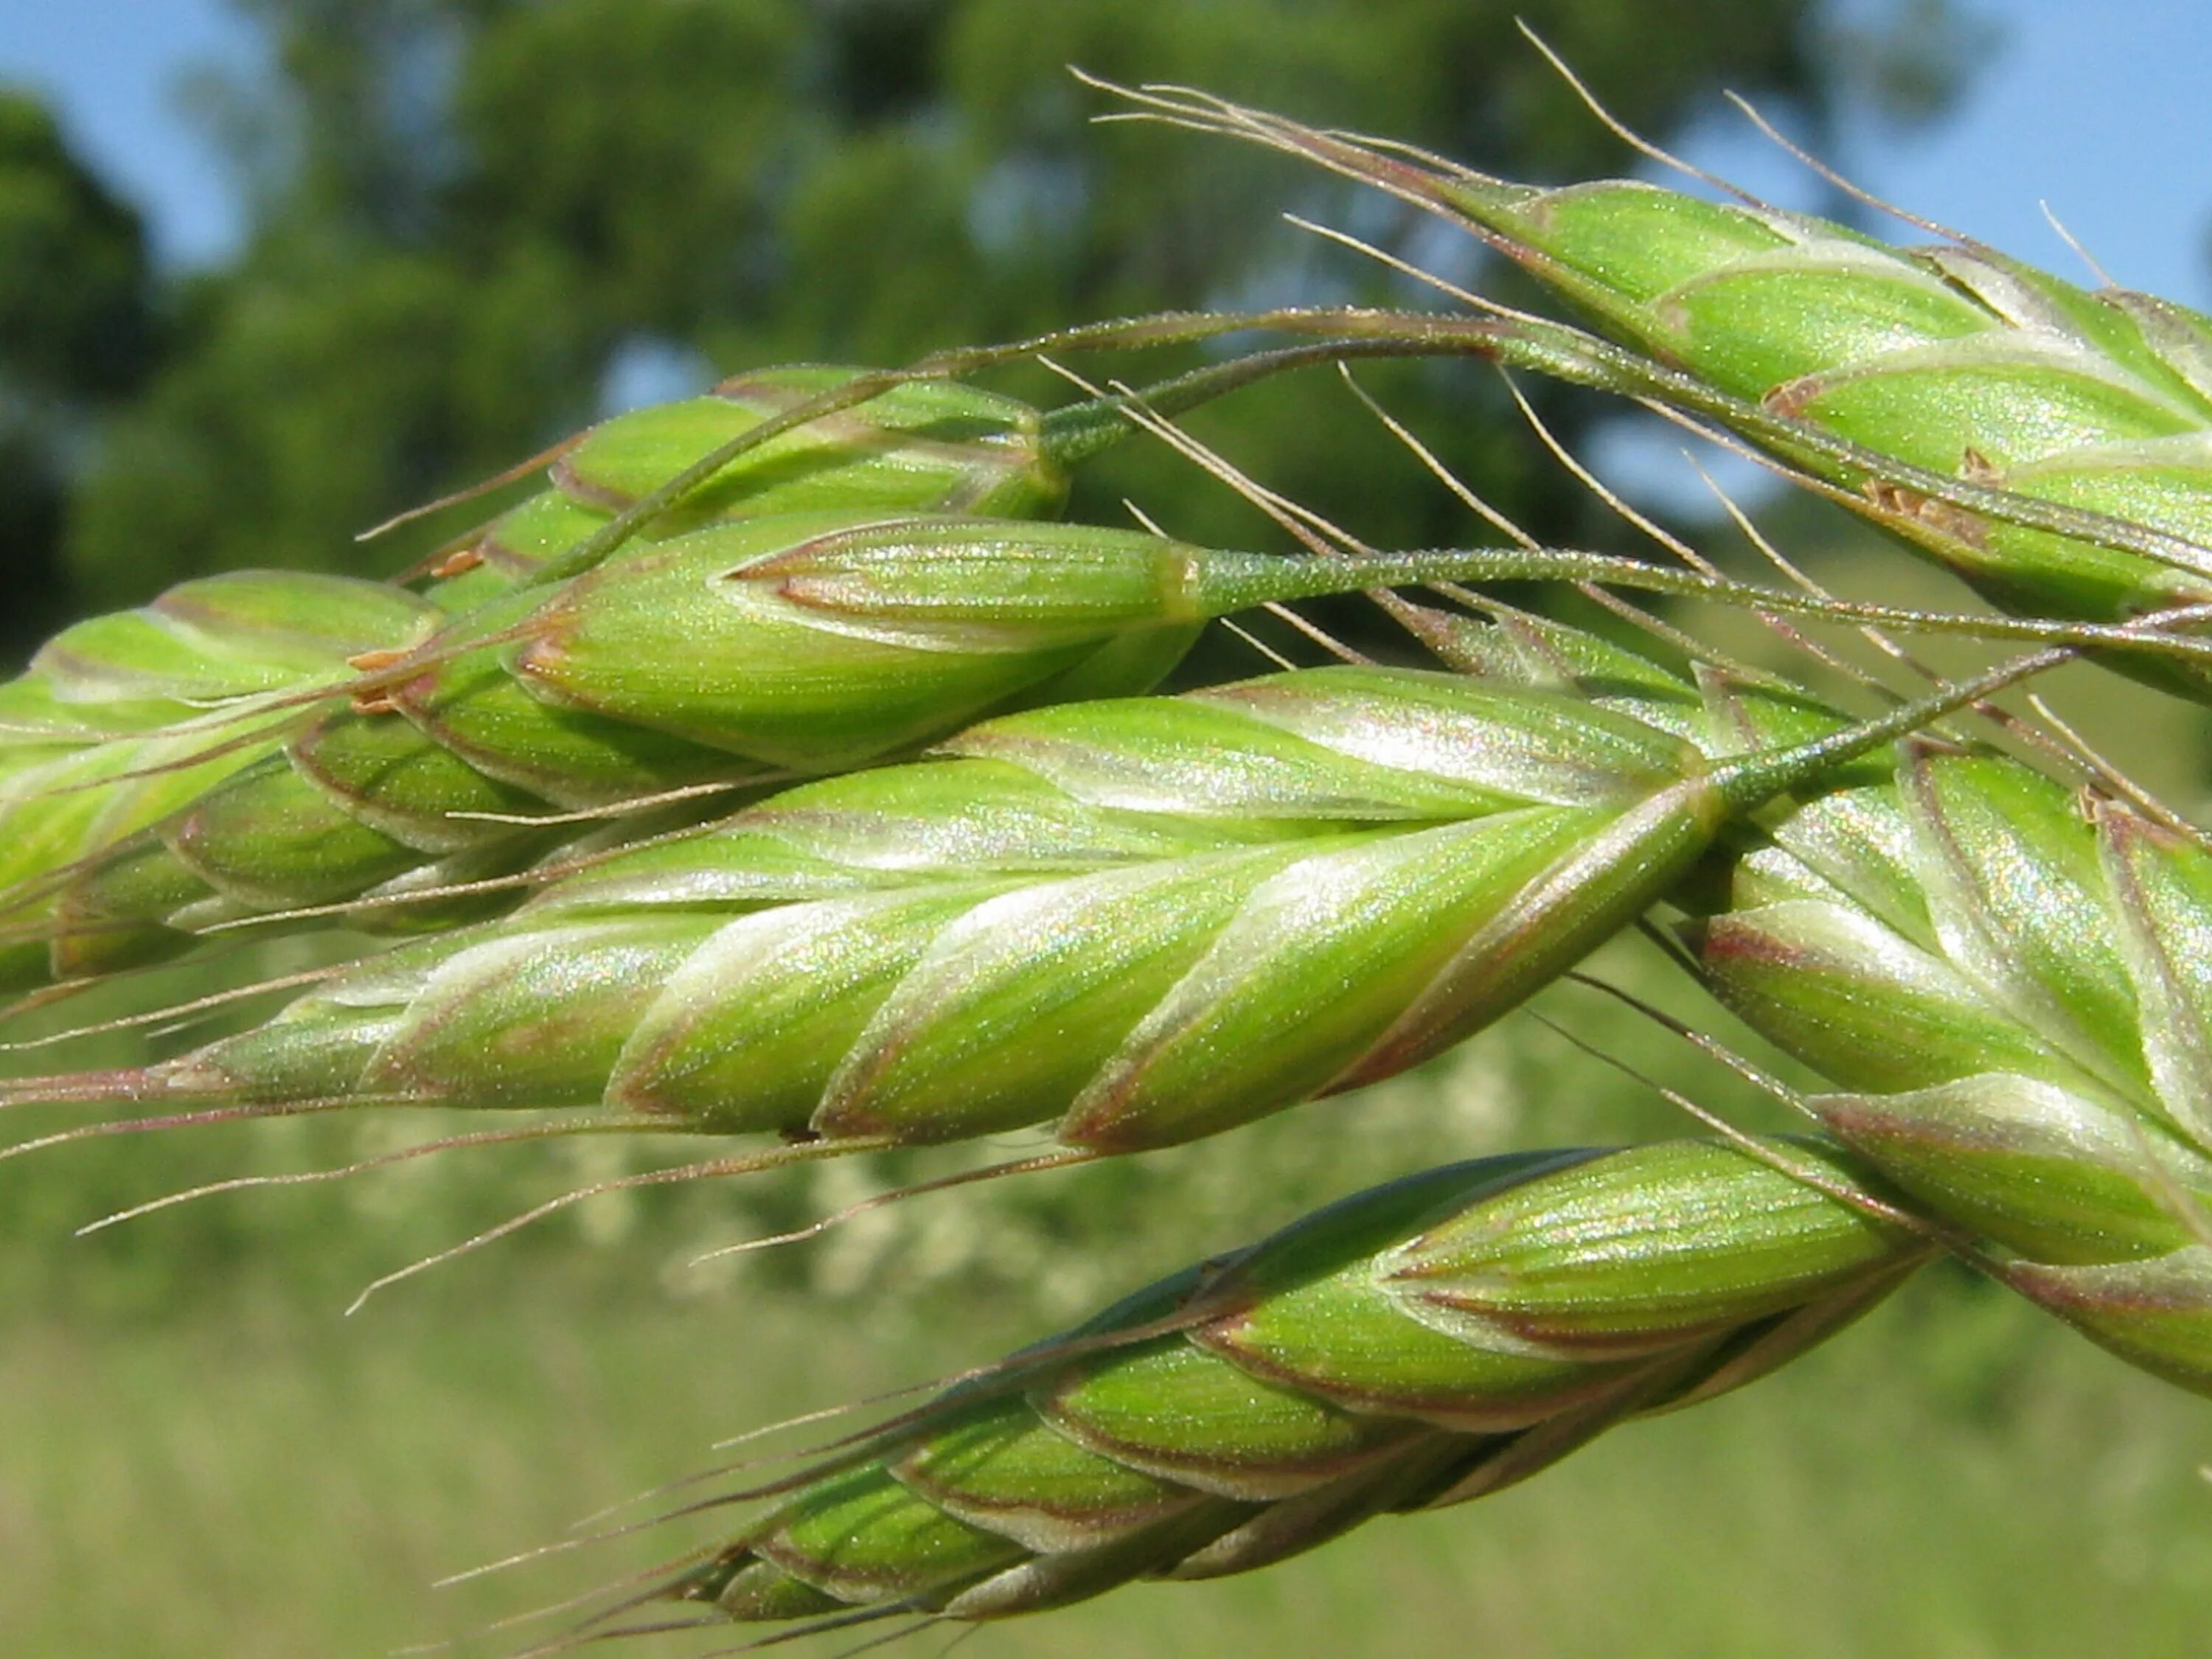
239 791
782 768
1142 920
2051 444
2011 987
1420 1344
2007 977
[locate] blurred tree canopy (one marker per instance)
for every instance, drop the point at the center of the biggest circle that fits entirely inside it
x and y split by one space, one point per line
478 224
77 332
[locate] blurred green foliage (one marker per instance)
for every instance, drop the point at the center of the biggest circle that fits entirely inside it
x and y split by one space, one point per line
77 332
270 1483
475 224
209 1459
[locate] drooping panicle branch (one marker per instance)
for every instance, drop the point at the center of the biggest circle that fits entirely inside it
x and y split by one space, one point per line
2052 444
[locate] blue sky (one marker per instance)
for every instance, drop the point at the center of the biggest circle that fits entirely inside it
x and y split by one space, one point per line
111 67
2101 109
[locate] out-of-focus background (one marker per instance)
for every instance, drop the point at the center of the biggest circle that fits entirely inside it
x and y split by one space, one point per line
272 268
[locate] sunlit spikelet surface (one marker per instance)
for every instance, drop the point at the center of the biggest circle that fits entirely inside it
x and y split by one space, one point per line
1065 918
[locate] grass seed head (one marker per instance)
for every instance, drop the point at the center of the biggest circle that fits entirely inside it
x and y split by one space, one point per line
915 447
2010 994
2046 442
710 661
110 732
1138 921
1138 918
1417 1345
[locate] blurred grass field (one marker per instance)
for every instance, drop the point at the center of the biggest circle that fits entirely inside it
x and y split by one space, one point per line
205 1459
1956 1478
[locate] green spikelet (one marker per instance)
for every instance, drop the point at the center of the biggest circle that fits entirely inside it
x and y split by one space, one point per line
2052 444
1065 920
1420 1344
2015 989
2013 982
922 447
120 719
1140 922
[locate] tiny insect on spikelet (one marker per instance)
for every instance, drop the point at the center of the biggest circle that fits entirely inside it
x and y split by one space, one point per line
1418 1344
2052 444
